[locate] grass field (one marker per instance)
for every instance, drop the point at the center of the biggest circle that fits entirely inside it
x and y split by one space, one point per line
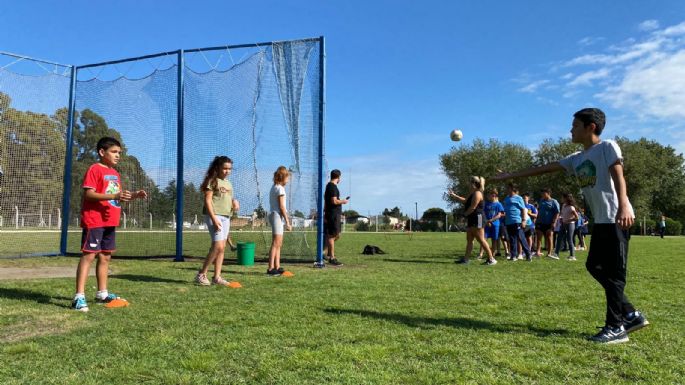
408 317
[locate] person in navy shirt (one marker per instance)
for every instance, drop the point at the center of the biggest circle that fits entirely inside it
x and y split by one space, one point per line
548 212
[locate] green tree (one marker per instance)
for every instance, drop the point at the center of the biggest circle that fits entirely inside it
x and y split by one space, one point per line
550 151
350 214
434 214
394 212
483 159
655 178
31 162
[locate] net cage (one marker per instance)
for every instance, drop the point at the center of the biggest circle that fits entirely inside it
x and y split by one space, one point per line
259 104
34 97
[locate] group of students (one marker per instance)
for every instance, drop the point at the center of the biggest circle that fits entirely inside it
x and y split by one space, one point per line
598 167
548 223
101 212
599 171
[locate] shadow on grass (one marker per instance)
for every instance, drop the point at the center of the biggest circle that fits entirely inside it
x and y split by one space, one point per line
24 295
426 261
456 322
146 278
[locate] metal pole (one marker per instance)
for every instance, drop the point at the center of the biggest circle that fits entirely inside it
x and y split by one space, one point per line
66 197
179 161
322 110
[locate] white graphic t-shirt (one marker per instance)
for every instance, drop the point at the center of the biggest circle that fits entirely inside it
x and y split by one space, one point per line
591 167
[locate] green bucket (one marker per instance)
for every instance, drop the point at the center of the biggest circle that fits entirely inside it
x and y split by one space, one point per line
246 253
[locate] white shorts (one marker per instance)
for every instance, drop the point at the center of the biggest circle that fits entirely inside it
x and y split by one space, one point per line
276 223
225 228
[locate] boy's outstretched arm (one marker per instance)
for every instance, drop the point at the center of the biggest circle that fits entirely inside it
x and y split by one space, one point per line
533 171
624 217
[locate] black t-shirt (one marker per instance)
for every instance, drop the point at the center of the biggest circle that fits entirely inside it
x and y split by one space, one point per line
329 208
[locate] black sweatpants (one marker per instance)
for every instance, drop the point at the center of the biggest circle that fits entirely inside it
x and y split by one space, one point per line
607 261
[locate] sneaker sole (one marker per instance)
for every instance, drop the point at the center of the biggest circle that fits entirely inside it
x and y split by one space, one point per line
618 341
637 327
82 310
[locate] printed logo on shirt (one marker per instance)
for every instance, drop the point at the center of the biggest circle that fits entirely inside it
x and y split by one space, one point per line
586 173
113 188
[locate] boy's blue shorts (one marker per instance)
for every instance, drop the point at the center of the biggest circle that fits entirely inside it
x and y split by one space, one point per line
98 239
492 232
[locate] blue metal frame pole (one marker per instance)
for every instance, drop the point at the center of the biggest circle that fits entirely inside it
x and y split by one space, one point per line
66 197
322 153
179 161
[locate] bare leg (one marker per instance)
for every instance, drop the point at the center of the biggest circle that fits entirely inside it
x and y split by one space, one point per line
101 270
469 243
217 247
275 251
82 271
219 259
480 236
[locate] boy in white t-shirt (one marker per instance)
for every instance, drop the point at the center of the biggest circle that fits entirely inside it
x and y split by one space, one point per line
599 170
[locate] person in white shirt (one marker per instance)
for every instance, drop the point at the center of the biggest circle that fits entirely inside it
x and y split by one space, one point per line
599 170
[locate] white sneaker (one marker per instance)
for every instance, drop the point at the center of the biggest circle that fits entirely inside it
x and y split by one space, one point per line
572 258
553 256
201 279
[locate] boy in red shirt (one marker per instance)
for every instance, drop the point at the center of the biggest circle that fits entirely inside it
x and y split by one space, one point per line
100 212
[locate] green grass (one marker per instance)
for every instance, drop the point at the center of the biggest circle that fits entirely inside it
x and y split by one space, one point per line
408 317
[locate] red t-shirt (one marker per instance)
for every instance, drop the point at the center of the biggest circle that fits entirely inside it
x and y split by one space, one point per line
103 180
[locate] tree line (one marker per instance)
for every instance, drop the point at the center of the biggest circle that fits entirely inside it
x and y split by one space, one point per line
32 156
654 173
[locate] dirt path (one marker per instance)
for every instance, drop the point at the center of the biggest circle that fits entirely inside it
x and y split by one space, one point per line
39 272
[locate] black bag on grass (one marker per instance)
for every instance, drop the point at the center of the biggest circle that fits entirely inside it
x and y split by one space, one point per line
371 250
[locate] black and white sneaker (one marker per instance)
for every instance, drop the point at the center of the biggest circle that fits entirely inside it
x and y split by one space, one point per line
334 262
634 321
273 273
611 335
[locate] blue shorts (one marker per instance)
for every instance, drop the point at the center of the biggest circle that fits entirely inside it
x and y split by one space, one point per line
492 232
98 239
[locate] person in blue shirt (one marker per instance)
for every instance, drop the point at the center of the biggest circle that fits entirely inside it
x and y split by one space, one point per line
548 212
581 228
530 224
493 212
516 216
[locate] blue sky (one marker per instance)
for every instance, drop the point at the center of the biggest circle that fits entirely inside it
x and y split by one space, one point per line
402 74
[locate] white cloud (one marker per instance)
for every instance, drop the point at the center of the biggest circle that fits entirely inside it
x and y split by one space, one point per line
653 88
532 87
673 31
648 25
641 80
586 78
589 40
